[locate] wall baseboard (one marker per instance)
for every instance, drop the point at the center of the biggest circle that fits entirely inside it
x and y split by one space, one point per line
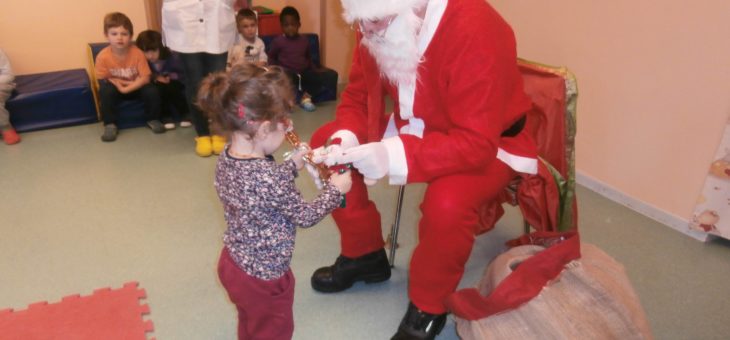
643 208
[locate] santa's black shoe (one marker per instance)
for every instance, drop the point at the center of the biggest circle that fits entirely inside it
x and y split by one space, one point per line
419 325
372 267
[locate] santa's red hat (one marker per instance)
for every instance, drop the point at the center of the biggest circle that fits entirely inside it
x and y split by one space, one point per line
376 9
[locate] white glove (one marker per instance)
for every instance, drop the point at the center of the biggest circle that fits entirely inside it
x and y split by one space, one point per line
329 154
371 160
315 175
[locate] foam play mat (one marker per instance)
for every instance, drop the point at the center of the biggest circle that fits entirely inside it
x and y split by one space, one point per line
105 314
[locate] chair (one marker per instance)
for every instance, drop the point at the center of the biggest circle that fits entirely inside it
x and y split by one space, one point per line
552 122
550 204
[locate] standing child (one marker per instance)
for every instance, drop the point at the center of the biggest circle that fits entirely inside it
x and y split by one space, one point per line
7 84
167 76
291 51
261 203
249 48
123 73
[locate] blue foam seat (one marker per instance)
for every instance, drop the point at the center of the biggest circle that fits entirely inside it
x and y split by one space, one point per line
51 99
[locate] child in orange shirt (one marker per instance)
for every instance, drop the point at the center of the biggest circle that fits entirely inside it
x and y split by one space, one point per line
123 73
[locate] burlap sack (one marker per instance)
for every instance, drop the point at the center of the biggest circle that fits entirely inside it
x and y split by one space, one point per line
590 299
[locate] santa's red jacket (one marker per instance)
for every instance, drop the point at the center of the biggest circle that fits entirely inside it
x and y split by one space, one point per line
468 91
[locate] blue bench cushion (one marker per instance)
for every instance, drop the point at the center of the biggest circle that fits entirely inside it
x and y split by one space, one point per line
51 100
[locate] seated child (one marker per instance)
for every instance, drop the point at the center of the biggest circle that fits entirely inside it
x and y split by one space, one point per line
291 51
249 48
7 85
262 205
167 76
123 73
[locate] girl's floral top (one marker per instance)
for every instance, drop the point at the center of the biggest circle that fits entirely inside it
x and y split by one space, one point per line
262 209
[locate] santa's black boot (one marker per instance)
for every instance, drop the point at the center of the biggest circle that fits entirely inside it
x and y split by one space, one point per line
419 325
372 267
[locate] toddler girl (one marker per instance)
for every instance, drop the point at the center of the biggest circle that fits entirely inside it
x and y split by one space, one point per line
262 206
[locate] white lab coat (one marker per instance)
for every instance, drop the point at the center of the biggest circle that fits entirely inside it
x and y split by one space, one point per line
192 26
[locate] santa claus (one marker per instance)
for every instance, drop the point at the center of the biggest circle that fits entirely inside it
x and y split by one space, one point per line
450 67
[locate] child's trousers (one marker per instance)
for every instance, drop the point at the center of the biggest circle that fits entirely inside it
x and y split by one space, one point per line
264 307
172 95
110 97
5 91
308 81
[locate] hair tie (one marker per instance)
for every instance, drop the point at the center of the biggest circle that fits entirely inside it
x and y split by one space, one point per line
241 111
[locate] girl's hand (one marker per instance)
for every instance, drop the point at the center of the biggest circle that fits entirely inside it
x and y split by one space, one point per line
298 157
343 181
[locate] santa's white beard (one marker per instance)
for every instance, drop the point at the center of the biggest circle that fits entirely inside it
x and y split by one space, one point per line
396 53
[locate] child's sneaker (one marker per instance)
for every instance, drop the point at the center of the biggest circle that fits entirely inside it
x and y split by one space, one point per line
156 126
307 105
219 143
185 123
169 125
203 146
10 136
110 133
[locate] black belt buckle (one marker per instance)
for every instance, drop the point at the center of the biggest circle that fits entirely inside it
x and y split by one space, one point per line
515 128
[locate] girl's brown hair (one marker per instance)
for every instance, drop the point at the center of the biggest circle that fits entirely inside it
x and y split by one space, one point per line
240 99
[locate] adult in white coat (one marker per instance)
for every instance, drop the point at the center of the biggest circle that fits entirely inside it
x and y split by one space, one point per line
201 31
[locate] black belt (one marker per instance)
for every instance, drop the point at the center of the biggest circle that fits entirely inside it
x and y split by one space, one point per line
516 128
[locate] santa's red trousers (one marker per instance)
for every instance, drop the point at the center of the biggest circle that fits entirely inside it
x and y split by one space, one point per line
446 230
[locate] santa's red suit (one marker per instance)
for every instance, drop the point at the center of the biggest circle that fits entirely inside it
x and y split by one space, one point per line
446 131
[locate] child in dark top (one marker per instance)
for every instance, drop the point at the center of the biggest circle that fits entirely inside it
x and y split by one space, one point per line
291 51
167 75
251 105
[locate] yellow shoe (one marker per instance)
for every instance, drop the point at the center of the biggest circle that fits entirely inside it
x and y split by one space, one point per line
219 143
203 146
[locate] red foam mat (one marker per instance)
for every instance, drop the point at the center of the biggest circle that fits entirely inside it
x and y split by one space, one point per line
106 314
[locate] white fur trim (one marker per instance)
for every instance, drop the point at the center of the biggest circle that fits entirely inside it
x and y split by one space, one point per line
432 19
397 164
391 130
406 95
414 127
407 91
347 137
518 163
376 9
